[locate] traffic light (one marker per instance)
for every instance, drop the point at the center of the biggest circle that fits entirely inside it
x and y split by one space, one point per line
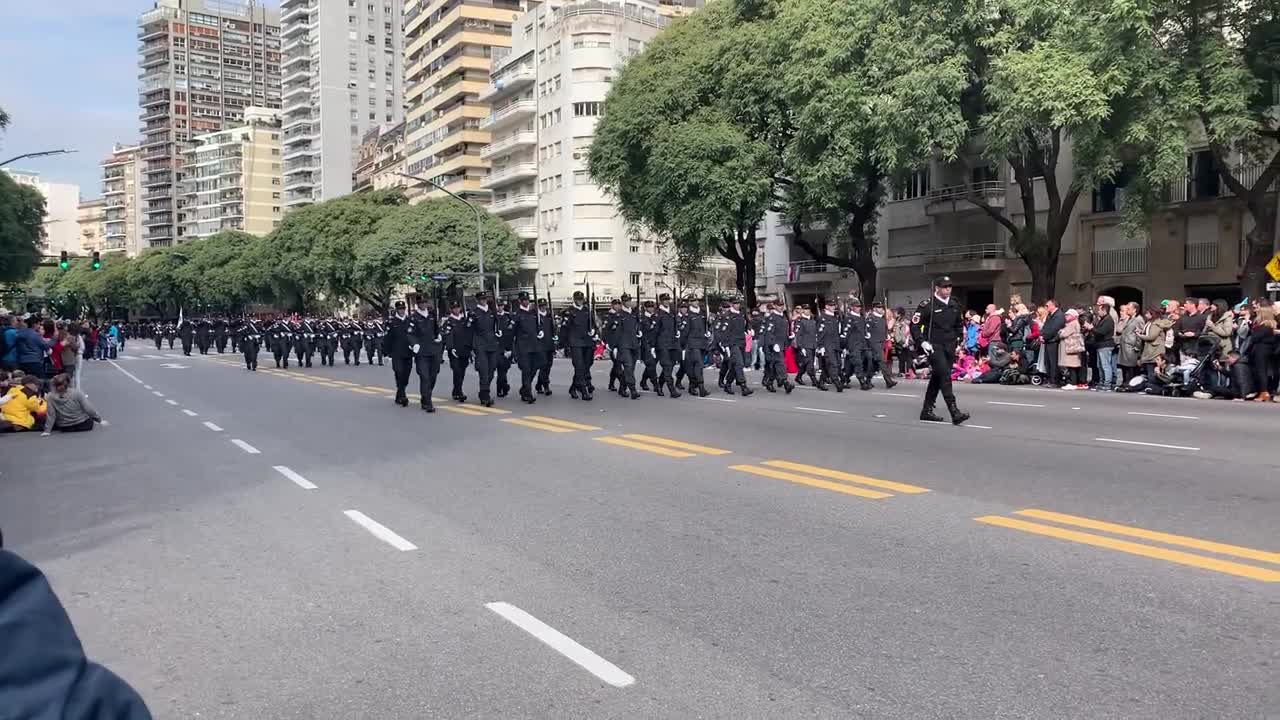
97 260
63 261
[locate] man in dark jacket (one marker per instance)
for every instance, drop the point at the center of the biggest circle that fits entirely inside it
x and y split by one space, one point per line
43 669
1053 324
425 341
397 346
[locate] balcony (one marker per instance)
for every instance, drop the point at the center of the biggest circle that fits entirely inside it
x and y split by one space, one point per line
509 143
1201 256
808 271
525 231
515 80
1211 186
954 198
511 112
1123 261
510 174
514 204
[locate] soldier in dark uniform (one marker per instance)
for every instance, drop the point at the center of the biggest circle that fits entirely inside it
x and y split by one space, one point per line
250 335
649 346
668 346
877 336
170 333
186 331
526 345
626 345
855 334
373 332
398 346
346 336
936 327
733 339
305 341
220 334
775 335
505 330
578 335
157 334
426 343
457 343
202 335
233 333
682 319
829 341
281 342
805 342
326 340
546 337
483 324
610 347
695 338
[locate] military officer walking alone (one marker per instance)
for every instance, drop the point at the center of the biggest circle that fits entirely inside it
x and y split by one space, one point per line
426 343
399 348
936 328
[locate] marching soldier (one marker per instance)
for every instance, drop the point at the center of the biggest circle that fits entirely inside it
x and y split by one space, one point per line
202 335
248 342
398 346
829 342
936 327
187 332
457 343
220 335
426 343
649 346
170 333
695 338
526 344
346 336
483 324
668 346
734 341
682 319
157 334
877 336
626 335
546 337
304 341
281 342
326 341
505 330
233 333
774 335
578 336
373 332
805 342
610 347
855 333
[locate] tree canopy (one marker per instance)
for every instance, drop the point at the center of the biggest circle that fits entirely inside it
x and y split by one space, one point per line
21 229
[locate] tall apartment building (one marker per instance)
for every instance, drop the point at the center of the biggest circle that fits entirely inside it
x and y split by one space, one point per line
202 63
448 46
233 178
122 193
547 94
343 76
90 217
380 159
61 203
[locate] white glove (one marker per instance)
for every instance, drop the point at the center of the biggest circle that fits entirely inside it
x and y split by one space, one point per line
453 353
776 348
541 334
416 348
507 354
653 353
822 351
927 347
438 338
683 353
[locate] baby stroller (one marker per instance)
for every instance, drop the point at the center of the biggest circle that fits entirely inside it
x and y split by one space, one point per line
1183 380
1032 357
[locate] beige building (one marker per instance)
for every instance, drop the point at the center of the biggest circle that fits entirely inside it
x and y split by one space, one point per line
121 192
380 159
233 179
1194 247
448 46
91 216
202 63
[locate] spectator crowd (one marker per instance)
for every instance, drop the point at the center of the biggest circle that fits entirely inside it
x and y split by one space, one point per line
40 363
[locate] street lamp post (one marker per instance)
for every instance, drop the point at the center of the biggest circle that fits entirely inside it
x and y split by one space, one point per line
474 209
35 154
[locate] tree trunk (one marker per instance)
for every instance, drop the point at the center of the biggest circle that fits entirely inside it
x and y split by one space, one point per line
1044 279
1253 274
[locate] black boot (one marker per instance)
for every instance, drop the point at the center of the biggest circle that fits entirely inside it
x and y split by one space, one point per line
657 388
958 416
789 386
927 414
573 391
428 407
680 385
644 384
865 385
586 395
800 379
633 393
746 390
702 390
769 386
671 389
821 386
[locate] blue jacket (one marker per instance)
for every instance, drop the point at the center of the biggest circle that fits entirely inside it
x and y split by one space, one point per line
10 340
31 347
44 674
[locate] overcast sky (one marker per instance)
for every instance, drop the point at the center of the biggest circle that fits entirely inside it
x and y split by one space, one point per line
70 80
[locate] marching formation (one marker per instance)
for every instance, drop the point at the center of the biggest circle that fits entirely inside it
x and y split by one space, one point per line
299 337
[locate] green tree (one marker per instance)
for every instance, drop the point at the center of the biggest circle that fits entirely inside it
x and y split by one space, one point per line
205 276
22 211
430 237
1229 54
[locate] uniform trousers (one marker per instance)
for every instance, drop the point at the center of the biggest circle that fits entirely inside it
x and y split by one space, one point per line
428 367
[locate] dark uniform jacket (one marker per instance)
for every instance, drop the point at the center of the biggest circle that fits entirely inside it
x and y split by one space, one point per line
648 333
855 332
695 335
665 337
457 335
829 332
484 329
424 331
397 344
806 334
877 331
575 328
546 326
938 323
732 329
525 330
625 331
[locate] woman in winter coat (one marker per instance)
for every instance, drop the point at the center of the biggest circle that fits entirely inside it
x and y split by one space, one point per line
1129 349
1153 336
1262 348
1071 351
1220 325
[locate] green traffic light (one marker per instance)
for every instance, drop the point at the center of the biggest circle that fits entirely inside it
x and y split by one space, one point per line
97 265
64 264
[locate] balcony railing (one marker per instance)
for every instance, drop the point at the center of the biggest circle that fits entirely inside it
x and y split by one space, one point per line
1199 188
976 251
508 142
1124 261
509 110
960 192
1201 256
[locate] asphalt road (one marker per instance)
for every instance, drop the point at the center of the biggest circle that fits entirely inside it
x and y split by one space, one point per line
293 545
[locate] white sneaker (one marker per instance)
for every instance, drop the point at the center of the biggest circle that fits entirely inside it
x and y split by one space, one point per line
1201 395
1069 387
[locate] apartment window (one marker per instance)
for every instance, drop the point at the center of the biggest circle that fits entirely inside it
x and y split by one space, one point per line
275 196
1202 175
275 166
559 181
593 211
635 248
555 49
581 177
275 209
588 109
594 245
556 79
634 278
559 149
634 46
915 185
275 151
275 181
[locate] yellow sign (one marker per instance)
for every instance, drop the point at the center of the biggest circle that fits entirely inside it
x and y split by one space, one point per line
1273 268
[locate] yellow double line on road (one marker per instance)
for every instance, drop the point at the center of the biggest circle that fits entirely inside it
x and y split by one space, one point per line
1205 562
660 445
820 477
549 424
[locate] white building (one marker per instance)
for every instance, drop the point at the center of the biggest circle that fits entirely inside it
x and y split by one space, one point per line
343 74
547 94
62 212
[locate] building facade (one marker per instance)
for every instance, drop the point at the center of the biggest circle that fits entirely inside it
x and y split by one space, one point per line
203 62
122 193
380 160
547 95
61 208
233 179
91 216
343 76
448 46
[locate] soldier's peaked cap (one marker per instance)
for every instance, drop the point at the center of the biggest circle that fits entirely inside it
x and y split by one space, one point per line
942 281
523 295
577 295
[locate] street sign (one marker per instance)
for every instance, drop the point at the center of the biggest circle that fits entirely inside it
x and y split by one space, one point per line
1273 267
1273 287
441 277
